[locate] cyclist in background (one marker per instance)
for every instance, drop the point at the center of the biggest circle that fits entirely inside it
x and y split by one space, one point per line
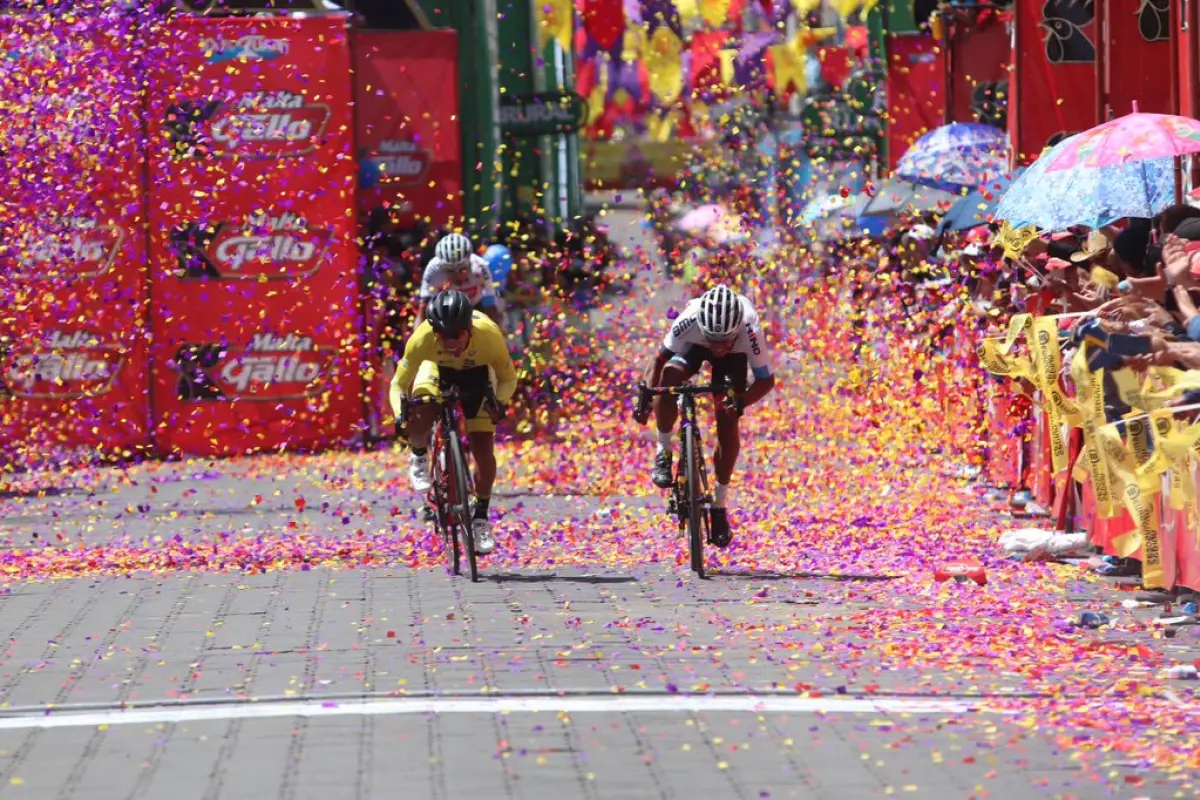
456 266
455 346
722 328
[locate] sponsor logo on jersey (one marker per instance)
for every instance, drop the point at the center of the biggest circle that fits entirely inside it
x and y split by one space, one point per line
683 325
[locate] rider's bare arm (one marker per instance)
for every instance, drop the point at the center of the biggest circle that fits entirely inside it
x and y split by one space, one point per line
758 390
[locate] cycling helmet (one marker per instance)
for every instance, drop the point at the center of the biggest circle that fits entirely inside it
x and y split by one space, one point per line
454 248
450 312
720 315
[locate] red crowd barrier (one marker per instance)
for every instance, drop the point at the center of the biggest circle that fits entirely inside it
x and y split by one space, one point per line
255 309
74 370
221 226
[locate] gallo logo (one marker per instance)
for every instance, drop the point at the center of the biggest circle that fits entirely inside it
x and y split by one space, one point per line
263 246
71 247
271 367
400 162
256 125
63 366
247 48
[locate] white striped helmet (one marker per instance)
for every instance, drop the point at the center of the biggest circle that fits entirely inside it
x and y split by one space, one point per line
454 249
720 315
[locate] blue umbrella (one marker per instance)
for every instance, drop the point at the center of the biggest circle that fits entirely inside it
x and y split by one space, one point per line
977 209
1091 196
954 156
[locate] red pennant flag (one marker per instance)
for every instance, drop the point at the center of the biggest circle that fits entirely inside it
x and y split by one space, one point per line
604 21
706 60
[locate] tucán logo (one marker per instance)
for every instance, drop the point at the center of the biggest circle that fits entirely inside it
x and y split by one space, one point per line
282 246
247 48
255 125
78 247
270 367
62 366
400 162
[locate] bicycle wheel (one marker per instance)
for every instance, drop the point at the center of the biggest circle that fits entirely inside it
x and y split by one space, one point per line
439 477
461 503
695 497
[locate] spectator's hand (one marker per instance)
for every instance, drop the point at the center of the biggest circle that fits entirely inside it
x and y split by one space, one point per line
1150 288
1158 316
1176 259
1185 353
1183 299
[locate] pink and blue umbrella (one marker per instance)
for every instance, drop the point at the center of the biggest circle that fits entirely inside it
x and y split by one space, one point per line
1054 199
961 155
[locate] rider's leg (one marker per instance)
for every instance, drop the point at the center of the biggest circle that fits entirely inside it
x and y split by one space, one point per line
725 458
481 432
729 371
426 388
420 424
666 412
483 449
666 407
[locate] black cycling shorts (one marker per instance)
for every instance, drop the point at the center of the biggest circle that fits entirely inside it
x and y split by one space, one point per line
473 386
731 369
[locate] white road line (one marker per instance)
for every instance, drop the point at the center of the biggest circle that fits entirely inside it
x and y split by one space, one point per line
493 705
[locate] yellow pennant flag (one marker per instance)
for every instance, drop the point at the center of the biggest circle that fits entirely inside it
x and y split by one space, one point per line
1047 361
556 21
788 66
715 12
1090 386
664 63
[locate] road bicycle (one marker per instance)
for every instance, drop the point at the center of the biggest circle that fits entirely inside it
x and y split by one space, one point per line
449 497
691 501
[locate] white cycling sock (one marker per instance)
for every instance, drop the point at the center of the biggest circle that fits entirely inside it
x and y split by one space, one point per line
664 441
721 493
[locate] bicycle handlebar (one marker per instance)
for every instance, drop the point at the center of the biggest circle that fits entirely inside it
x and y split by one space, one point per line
686 388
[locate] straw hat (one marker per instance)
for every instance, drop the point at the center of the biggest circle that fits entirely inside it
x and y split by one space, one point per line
1097 244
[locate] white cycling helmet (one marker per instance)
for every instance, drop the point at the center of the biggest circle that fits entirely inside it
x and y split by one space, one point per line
454 249
720 315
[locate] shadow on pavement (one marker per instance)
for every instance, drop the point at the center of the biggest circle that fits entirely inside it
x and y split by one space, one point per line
781 576
45 491
545 577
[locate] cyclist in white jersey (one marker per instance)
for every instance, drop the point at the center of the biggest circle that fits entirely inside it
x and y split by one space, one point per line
455 266
722 328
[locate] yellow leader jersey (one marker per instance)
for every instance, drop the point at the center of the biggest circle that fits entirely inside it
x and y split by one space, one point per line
486 348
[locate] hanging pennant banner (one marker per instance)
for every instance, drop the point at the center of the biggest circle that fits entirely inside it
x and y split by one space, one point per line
979 77
1054 74
915 89
1136 57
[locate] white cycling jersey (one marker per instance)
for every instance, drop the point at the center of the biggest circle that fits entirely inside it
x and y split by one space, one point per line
476 282
685 333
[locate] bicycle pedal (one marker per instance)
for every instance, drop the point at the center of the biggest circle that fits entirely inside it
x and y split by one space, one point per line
428 514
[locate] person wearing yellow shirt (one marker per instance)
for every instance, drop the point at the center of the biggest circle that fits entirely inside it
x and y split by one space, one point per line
455 346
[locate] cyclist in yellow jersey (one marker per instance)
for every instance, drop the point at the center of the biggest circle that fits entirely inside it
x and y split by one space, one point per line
455 346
